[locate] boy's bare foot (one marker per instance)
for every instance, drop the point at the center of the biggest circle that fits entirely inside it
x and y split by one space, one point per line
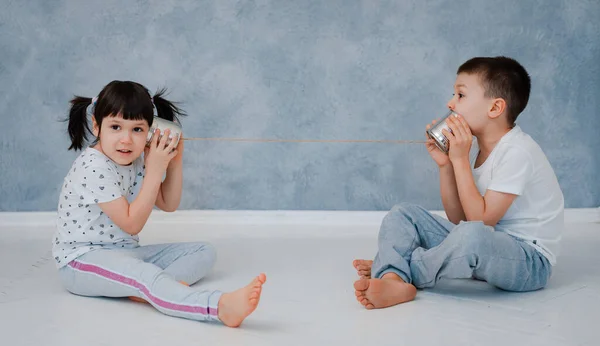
235 306
382 293
363 268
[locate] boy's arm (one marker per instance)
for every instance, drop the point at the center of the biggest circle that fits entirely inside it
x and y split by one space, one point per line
450 198
448 191
490 208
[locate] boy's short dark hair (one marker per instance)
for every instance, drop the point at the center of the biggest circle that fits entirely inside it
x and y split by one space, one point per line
502 77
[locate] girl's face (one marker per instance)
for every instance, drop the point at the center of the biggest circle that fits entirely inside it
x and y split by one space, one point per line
123 141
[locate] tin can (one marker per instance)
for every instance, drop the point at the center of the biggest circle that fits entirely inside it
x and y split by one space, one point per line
436 134
162 125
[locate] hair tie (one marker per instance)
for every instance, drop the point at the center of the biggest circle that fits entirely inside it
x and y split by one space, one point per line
92 107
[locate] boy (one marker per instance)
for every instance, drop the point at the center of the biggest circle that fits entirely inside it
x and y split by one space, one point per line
502 199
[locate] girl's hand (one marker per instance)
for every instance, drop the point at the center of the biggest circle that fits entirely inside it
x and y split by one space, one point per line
436 154
460 138
159 153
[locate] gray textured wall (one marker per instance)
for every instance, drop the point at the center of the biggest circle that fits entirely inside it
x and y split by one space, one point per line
294 69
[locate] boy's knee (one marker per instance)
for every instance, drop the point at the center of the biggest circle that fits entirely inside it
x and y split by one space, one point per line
404 211
404 207
469 236
398 213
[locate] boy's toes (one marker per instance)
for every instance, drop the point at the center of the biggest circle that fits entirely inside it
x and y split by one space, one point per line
359 293
361 285
365 302
357 263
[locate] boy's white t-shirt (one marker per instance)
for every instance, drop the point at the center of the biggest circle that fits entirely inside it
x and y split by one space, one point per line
517 165
81 224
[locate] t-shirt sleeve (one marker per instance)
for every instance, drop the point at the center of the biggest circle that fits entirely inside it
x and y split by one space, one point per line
98 184
511 171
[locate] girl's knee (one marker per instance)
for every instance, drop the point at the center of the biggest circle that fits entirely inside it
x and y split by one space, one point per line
208 251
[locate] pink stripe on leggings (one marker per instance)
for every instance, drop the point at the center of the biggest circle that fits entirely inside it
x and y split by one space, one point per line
89 268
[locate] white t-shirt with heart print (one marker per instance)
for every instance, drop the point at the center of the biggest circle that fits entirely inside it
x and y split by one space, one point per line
81 225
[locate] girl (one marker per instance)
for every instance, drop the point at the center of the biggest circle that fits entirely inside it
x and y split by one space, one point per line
106 199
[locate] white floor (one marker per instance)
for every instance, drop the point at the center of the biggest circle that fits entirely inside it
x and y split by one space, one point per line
308 298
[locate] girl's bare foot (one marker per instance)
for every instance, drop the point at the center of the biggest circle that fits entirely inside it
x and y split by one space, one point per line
363 268
235 306
382 293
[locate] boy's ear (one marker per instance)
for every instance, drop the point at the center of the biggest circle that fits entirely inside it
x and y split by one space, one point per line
95 129
497 108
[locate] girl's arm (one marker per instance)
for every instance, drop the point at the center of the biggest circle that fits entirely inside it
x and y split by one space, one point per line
169 194
131 218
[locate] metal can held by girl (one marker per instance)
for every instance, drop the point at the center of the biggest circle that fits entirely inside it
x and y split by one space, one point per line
436 134
163 125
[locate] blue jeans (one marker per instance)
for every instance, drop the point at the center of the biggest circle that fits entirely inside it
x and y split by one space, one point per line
423 248
150 272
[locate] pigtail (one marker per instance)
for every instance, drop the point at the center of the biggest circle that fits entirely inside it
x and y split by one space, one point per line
166 109
78 123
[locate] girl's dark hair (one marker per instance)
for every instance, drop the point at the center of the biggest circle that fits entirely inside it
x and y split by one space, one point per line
128 99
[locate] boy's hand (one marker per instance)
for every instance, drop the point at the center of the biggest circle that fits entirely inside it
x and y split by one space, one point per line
460 138
436 154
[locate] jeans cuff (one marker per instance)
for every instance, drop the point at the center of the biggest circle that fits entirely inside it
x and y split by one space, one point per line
397 272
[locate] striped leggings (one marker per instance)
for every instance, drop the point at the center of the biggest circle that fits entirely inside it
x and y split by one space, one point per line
150 272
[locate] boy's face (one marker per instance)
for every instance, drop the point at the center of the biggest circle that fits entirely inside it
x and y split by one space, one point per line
469 101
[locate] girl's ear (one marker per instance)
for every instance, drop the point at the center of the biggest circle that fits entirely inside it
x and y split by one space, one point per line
95 128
